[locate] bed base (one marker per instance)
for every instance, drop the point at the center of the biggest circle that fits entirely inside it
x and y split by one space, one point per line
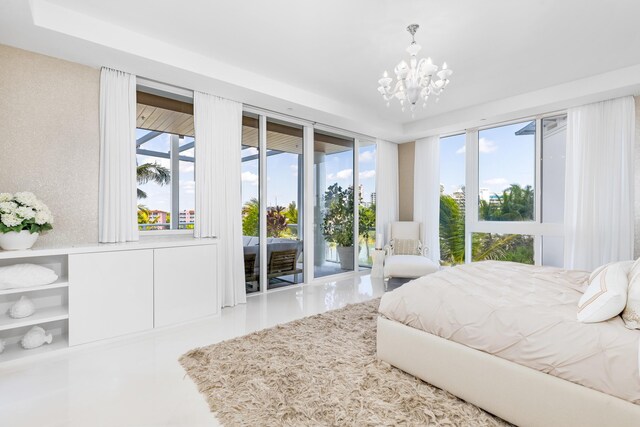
515 393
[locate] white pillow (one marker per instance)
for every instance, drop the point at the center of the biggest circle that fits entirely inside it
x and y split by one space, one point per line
26 275
631 313
606 294
406 246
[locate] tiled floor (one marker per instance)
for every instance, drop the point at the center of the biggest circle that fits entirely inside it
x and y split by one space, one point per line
137 381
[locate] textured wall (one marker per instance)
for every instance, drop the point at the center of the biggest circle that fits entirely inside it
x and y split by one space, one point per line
49 139
406 156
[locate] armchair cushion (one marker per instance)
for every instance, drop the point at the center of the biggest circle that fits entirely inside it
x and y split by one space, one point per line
406 247
410 266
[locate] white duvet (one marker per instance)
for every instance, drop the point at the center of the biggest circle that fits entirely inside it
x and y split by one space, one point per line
525 314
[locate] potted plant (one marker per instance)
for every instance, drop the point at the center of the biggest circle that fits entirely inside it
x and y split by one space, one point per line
22 218
337 223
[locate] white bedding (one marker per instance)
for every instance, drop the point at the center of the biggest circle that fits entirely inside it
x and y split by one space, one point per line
524 314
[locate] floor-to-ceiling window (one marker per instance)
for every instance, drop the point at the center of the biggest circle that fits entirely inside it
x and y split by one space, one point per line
367 202
273 201
284 199
452 199
251 201
334 204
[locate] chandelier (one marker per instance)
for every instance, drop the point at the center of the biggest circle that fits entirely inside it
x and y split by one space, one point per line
416 81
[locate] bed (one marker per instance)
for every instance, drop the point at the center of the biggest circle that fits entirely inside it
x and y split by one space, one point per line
504 337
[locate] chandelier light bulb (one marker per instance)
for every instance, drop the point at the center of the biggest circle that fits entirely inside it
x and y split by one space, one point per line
416 79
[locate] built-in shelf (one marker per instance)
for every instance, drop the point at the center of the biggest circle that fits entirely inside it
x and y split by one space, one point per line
60 283
42 315
15 350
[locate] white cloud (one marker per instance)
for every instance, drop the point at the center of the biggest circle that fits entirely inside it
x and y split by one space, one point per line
366 156
294 170
487 146
343 175
188 187
250 177
496 181
484 146
367 174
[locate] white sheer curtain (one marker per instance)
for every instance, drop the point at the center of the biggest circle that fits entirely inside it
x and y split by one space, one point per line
426 193
218 136
599 221
386 188
117 215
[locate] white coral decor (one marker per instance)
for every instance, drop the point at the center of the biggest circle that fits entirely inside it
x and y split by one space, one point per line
23 211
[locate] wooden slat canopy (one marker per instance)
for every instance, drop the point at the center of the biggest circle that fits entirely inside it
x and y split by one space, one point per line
157 113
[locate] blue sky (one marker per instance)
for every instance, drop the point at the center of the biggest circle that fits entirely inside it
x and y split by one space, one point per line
504 159
282 175
159 197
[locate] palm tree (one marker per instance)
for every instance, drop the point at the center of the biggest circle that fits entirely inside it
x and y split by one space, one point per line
451 231
251 218
151 172
484 246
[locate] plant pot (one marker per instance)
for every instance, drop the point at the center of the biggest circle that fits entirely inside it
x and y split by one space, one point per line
346 257
16 241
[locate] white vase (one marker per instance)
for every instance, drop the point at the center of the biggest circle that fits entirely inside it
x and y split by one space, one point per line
16 241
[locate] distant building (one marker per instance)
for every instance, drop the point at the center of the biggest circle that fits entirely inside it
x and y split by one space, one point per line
158 217
441 189
459 197
373 198
187 216
485 194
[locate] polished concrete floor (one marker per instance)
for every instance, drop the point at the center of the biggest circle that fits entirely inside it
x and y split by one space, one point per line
137 381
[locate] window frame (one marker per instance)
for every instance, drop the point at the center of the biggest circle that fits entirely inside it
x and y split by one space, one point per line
184 95
535 228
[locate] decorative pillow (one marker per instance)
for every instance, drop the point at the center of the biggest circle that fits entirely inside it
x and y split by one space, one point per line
631 313
606 294
406 247
25 275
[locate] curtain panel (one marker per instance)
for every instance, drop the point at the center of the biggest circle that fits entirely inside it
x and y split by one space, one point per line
386 188
117 216
218 136
426 190
599 212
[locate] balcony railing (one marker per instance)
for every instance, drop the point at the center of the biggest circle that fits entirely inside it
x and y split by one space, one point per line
164 226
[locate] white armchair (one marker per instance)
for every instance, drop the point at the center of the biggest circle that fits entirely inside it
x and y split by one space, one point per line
406 265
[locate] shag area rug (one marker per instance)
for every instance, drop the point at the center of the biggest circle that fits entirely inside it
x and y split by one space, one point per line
320 371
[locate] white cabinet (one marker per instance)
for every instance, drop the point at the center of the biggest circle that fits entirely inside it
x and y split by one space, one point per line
185 284
110 294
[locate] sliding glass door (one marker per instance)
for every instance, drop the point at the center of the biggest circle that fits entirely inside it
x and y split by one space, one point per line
284 197
334 204
273 200
367 202
251 201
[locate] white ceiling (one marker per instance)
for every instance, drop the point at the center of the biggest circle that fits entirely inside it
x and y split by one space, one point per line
321 59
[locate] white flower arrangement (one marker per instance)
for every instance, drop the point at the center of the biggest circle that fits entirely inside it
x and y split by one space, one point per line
23 211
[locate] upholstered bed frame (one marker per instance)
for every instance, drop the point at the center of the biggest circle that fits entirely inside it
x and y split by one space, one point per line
515 393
